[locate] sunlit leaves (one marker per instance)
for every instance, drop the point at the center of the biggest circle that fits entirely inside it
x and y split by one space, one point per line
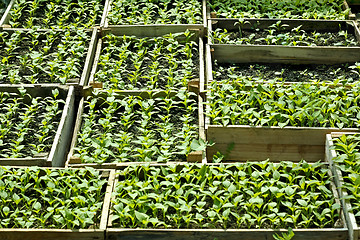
74 202
243 195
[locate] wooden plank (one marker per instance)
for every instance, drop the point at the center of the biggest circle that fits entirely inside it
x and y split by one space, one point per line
229 53
63 135
229 234
104 15
244 142
4 21
153 30
107 198
95 61
89 58
204 12
201 65
51 234
307 24
41 162
354 230
274 152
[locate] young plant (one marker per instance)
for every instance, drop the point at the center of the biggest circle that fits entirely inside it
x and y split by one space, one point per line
29 123
333 9
51 198
135 129
243 195
243 102
167 62
160 12
56 14
278 34
30 57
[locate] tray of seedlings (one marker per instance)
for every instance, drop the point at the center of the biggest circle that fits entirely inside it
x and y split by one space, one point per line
169 14
282 111
253 200
333 9
129 60
36 124
118 128
54 14
285 40
342 152
46 56
44 203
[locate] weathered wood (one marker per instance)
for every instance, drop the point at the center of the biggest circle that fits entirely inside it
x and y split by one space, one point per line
107 198
51 234
63 135
230 53
307 24
41 162
259 143
103 22
99 44
331 154
6 17
89 58
204 234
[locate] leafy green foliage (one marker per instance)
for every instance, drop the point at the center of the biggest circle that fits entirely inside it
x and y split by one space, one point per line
348 161
315 9
56 13
242 102
278 34
242 195
339 73
50 198
155 12
29 57
28 124
138 129
167 62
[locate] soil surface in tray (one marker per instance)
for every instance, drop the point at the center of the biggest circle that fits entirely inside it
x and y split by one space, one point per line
287 72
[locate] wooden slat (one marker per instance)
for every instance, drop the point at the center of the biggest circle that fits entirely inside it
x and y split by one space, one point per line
104 15
41 162
6 17
63 135
259 143
95 61
196 234
51 234
107 199
229 53
89 58
354 230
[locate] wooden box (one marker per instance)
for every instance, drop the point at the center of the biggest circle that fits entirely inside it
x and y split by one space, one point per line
331 154
72 161
113 233
56 156
201 26
86 63
241 53
68 234
5 20
143 31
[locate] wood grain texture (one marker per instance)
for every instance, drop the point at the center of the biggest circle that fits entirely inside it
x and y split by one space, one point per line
230 53
51 234
203 234
244 142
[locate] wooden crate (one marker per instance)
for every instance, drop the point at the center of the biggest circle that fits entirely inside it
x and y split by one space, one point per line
285 54
85 71
354 228
68 234
202 26
56 156
147 31
5 20
75 162
340 233
345 6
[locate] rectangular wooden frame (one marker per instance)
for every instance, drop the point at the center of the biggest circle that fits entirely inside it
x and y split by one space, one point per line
241 53
202 26
85 72
354 228
56 156
68 234
74 162
229 234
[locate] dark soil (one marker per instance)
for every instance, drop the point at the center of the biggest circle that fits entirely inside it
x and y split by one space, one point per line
286 72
